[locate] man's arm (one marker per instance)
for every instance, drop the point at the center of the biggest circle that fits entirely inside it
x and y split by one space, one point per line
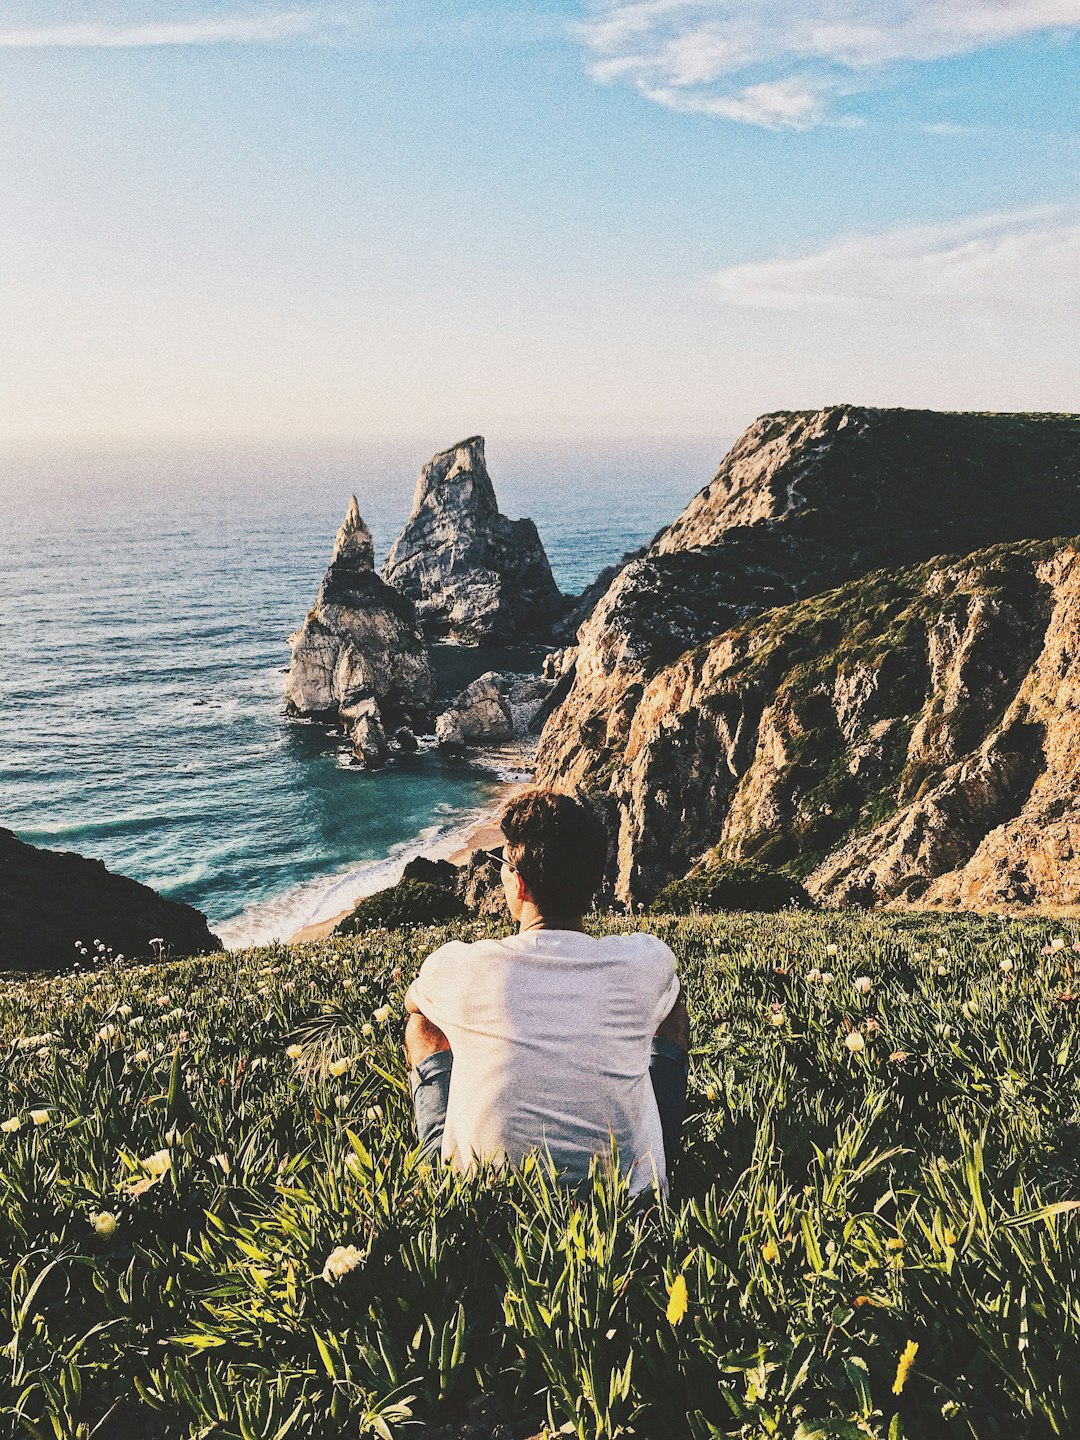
674 1027
422 1036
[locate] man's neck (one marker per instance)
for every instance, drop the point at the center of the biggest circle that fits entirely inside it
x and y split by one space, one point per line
531 919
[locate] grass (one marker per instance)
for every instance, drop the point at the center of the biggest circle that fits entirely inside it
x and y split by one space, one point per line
166 1225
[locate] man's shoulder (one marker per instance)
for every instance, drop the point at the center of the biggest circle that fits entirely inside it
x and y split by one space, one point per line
642 943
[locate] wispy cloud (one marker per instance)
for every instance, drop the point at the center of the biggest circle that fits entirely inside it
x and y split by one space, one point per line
781 63
208 30
1020 260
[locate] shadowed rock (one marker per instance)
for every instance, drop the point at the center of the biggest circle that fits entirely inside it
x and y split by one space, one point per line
50 900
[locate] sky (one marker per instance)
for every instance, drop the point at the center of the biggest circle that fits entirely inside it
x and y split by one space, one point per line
246 221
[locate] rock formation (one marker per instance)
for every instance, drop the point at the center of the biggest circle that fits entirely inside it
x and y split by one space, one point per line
705 708
359 658
473 574
51 900
494 707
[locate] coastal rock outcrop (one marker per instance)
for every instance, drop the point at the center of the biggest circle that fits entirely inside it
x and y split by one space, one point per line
493 708
360 658
473 574
878 738
51 900
804 501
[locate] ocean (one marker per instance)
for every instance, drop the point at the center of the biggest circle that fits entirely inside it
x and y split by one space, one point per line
145 605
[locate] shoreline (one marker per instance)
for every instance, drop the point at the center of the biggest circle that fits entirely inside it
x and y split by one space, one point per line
483 835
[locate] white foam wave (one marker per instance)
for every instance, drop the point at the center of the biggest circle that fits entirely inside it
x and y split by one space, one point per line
322 899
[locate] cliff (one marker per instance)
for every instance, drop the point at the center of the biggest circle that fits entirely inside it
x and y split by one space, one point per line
51 900
702 708
473 574
360 658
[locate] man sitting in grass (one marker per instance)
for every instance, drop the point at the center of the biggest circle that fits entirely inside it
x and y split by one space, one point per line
550 1037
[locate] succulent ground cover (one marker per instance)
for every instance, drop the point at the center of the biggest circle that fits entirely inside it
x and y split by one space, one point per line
213 1222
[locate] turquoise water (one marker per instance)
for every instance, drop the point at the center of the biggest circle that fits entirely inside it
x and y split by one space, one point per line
145 604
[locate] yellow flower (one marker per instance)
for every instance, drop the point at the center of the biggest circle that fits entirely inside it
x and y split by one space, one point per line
907 1359
157 1163
769 1252
294 1052
855 1042
104 1223
340 1261
10 1126
39 1117
678 1300
894 1244
712 1094
950 1237
777 1018
382 1014
367 1029
338 1067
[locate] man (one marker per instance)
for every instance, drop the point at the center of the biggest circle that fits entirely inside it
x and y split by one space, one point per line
550 1037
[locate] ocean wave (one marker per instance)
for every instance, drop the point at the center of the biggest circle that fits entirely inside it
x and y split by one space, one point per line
323 899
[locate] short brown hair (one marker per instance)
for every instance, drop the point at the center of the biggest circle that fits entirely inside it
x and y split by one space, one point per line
559 847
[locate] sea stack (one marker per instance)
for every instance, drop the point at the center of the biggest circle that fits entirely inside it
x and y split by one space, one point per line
360 659
473 574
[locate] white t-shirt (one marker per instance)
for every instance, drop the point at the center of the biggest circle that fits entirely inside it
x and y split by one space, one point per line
551 1035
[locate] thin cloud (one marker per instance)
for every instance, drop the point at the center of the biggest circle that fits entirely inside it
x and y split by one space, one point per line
229 29
723 57
1016 261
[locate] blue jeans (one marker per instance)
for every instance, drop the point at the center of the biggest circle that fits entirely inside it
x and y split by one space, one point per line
669 1069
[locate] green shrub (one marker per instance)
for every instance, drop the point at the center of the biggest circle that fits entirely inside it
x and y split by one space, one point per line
731 887
409 902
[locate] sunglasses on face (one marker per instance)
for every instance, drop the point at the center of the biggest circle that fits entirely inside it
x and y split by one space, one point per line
499 857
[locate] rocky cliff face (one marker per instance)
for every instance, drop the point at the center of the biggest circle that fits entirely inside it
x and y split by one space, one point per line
805 501
50 900
473 574
360 658
876 737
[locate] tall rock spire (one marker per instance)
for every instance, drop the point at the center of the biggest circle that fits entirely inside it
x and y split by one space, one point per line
354 545
473 574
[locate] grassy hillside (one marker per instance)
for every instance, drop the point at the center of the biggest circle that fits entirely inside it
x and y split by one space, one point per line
865 1173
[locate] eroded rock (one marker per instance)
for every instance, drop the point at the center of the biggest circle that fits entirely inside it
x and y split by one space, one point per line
473 574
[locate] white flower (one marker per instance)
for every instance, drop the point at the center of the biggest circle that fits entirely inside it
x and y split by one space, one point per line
294 1052
157 1163
340 1261
827 977
10 1126
855 1042
367 1029
864 984
942 969
1005 965
1057 943
812 975
338 1067
341 1102
831 949
777 1018
106 1032
382 1014
124 1011
352 1163
164 1001
39 1117
970 1007
374 1113
173 1136
942 951
105 1223
141 1057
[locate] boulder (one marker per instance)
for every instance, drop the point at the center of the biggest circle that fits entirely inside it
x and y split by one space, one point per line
495 707
473 574
52 900
360 646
